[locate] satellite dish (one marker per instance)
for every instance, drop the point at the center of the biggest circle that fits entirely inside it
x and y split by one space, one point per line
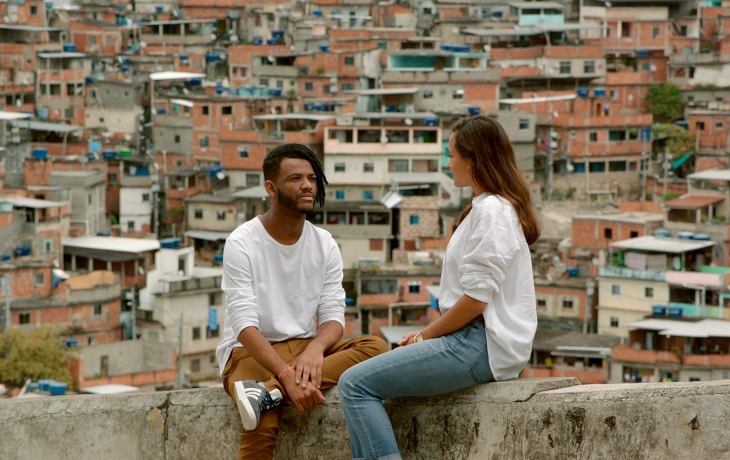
220 175
143 44
383 139
186 91
127 137
408 121
555 114
271 59
570 167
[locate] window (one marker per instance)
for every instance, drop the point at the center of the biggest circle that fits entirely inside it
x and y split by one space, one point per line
541 302
339 195
130 226
414 287
97 309
227 110
40 279
308 87
206 110
209 334
682 31
608 233
242 152
215 298
564 67
327 88
413 219
649 292
645 67
198 213
614 94
398 165
221 215
633 234
458 94
382 45
615 289
196 333
616 136
177 138
568 303
48 245
90 198
252 180
376 245
524 123
280 84
195 365
368 195
349 60
24 318
597 166
368 167
204 141
92 40
347 87
427 94
589 66
339 167
700 126
33 10
614 321
212 359
719 125
145 197
690 98
619 165
593 137
655 32
264 81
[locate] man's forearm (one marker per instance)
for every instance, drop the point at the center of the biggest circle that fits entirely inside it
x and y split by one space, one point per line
261 350
328 334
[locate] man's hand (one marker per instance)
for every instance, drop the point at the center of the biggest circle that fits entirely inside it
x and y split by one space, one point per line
303 398
308 366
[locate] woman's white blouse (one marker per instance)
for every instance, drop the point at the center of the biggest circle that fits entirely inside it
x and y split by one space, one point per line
488 259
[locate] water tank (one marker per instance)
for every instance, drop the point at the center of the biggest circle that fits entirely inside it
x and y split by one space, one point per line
572 272
40 153
675 312
159 9
599 92
431 121
277 34
701 237
685 235
324 48
218 259
105 233
257 41
109 154
125 153
583 92
317 13
661 233
659 310
5 257
44 384
170 243
272 41
57 388
474 110
461 48
69 48
22 251
276 92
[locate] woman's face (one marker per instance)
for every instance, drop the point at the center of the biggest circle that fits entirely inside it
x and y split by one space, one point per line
460 167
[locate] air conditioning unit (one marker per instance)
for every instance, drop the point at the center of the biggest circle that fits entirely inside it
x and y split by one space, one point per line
345 121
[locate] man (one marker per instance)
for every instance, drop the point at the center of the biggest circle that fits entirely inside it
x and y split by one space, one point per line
280 272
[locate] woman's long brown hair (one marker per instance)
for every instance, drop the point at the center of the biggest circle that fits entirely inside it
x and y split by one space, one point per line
484 142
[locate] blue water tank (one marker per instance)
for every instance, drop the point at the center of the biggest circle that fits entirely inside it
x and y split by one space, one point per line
682 124
33 386
276 92
57 388
272 41
583 92
324 48
599 92
277 34
89 80
391 108
109 154
447 48
170 243
701 237
69 48
44 384
71 343
349 302
572 272
215 57
5 257
496 14
193 82
120 7
22 251
659 310
661 233
105 233
431 121
257 41
159 9
474 110
675 312
218 259
685 235
642 53
461 48
40 153
317 13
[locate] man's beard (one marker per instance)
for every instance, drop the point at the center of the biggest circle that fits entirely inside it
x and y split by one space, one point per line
291 203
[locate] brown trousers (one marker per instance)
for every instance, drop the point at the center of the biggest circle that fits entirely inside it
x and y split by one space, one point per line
258 444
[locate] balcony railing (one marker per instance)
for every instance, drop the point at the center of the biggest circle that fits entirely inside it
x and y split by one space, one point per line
631 273
627 353
194 284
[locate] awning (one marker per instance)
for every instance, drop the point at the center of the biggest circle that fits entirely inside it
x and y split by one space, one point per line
681 160
207 235
182 102
4 116
158 76
692 202
258 191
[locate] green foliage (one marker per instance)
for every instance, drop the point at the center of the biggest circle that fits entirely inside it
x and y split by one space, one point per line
669 196
665 102
175 212
679 141
33 355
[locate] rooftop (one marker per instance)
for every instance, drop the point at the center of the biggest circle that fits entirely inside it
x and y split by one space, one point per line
692 202
625 217
711 174
115 244
701 329
665 245
33 203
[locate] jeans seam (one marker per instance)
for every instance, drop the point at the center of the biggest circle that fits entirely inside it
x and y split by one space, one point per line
467 334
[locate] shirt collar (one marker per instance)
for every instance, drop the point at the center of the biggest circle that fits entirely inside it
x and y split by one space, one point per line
478 199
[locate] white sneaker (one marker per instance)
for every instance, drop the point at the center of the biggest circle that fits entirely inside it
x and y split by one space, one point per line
253 399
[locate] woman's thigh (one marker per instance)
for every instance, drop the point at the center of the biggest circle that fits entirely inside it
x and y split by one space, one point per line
427 368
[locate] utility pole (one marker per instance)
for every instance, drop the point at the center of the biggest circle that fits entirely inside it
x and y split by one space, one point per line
590 289
134 313
644 172
6 280
179 378
667 166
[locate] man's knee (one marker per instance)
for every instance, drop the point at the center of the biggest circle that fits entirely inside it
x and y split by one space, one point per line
373 345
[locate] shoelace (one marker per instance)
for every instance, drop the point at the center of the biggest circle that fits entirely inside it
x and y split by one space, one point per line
267 402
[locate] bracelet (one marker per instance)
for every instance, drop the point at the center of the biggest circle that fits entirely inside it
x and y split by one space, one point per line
288 368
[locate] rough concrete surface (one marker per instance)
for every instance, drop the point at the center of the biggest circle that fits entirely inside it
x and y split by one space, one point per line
521 419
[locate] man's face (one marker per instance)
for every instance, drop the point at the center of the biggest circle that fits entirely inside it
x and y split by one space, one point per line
296 185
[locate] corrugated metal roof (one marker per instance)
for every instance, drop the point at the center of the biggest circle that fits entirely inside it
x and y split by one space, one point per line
692 202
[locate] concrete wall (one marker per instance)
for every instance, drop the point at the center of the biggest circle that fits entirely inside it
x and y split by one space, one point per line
525 418
128 357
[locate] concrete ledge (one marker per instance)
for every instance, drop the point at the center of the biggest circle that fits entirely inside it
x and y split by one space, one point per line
525 419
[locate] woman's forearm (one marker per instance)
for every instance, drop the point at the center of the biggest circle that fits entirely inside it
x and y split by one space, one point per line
464 310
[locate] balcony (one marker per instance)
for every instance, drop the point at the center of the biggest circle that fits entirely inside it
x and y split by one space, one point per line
136 181
629 354
706 360
92 288
369 140
195 284
685 310
631 273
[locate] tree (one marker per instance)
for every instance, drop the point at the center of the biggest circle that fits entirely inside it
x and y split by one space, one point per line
665 102
33 355
679 141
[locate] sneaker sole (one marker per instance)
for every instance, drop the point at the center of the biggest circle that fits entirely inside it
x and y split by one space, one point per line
248 416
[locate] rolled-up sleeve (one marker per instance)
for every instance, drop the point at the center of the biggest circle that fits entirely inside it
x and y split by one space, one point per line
237 284
488 253
332 300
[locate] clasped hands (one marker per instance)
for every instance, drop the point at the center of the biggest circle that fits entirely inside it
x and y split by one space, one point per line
303 382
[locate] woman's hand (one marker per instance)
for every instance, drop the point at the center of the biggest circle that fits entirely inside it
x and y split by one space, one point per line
407 339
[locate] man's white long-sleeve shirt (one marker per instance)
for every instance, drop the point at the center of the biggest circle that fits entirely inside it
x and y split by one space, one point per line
279 289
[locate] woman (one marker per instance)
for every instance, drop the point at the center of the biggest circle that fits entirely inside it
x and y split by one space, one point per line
487 297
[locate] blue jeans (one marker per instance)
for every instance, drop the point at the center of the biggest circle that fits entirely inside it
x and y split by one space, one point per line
432 367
